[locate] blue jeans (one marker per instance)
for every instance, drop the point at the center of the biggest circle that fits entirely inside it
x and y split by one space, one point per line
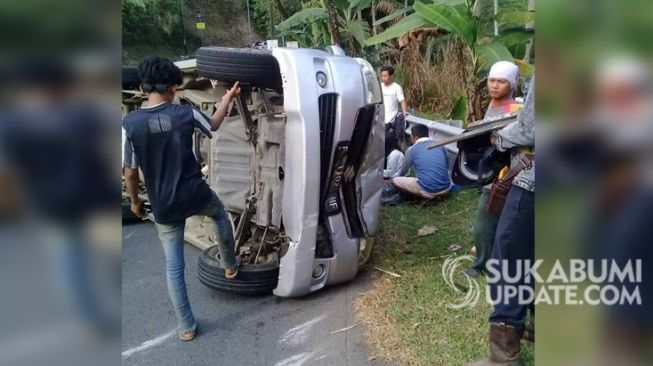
172 240
514 241
71 252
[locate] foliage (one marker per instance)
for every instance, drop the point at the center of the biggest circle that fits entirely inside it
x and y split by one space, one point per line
408 318
309 24
264 13
308 27
154 26
465 21
459 111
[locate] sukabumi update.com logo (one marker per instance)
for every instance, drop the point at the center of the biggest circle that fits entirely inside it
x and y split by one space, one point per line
470 291
573 282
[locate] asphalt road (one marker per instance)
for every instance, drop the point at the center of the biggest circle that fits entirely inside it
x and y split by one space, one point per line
233 330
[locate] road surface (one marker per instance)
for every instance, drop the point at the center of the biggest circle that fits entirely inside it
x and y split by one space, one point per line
233 330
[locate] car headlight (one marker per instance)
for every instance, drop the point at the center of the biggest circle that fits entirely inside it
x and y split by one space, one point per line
372 86
321 79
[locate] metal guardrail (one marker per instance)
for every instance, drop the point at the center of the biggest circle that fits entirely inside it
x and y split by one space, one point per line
439 130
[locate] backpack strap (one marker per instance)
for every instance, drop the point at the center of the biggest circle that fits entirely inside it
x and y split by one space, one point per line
524 162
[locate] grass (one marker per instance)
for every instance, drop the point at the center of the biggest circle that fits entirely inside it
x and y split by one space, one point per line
431 74
409 319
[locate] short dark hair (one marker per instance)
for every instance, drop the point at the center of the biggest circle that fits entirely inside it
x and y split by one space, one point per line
419 131
391 143
157 74
389 69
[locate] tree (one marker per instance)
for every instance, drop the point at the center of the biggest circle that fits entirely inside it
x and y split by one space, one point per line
462 20
342 20
281 8
333 22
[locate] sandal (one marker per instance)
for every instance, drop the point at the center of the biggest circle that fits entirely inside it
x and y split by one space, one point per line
232 275
187 336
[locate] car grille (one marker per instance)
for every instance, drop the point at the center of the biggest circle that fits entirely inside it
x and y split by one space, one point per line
327 104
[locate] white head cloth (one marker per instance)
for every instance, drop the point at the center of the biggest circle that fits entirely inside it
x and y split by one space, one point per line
505 70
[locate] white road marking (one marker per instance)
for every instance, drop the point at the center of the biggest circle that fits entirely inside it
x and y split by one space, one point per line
296 360
148 344
298 334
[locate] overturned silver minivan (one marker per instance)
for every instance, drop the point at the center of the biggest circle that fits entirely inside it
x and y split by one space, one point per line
298 165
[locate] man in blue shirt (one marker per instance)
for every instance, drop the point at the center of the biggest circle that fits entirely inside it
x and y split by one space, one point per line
431 167
158 139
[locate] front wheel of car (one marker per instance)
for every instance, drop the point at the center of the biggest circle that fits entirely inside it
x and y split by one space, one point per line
252 67
251 280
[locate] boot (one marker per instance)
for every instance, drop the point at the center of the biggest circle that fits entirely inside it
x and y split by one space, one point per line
504 346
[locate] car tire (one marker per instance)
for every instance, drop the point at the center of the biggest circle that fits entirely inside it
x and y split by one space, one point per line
248 66
130 79
251 280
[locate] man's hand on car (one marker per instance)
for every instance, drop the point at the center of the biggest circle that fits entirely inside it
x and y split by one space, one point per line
221 108
231 93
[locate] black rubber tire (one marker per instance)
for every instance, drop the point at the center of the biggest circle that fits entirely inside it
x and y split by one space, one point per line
250 281
130 79
249 66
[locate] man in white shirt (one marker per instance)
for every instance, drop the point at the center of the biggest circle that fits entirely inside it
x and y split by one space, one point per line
393 95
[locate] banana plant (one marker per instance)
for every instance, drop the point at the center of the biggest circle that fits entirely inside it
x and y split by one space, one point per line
353 29
462 19
309 27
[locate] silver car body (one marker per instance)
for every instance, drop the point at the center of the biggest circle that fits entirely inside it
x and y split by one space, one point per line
289 140
356 85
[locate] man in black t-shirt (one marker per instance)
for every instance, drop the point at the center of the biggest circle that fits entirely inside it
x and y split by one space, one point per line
158 139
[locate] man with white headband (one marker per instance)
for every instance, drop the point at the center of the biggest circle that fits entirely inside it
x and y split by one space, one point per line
501 84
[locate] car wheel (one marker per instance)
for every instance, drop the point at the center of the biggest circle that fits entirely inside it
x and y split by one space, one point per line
130 79
252 280
251 67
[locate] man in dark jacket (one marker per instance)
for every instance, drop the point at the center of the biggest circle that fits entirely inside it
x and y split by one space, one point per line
158 139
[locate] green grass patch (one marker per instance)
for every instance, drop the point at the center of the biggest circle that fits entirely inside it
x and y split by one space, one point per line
410 319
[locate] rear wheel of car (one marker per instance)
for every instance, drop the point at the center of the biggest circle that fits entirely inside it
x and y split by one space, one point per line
130 79
251 67
251 280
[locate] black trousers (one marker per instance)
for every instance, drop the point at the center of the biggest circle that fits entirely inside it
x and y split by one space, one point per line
514 241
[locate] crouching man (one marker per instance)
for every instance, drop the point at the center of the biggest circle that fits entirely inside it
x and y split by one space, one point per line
431 168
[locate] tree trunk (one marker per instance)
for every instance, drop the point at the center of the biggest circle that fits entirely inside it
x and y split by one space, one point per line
333 23
478 107
281 9
531 25
471 96
271 20
374 29
496 24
